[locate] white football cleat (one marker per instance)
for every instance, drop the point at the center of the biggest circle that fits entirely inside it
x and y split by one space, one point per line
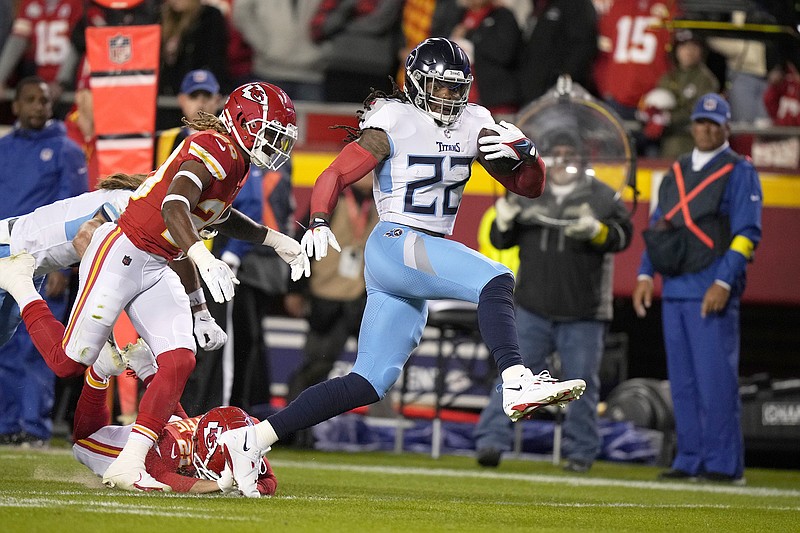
127 473
139 358
109 362
244 457
522 396
16 274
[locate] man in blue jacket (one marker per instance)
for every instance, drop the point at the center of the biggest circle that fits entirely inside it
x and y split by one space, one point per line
38 165
701 237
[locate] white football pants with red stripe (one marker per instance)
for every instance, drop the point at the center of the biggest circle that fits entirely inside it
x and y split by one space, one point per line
116 275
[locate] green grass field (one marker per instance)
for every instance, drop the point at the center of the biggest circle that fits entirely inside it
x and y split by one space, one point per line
50 491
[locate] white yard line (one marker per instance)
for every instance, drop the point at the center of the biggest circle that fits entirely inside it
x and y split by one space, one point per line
109 507
467 474
538 478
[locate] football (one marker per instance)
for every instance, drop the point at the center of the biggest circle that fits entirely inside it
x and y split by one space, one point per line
500 167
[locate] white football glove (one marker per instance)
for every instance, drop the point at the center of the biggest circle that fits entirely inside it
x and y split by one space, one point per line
225 481
317 239
290 251
216 274
506 213
208 333
232 260
509 142
586 227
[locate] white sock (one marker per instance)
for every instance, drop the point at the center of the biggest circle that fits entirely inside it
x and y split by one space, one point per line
137 447
27 298
513 372
265 435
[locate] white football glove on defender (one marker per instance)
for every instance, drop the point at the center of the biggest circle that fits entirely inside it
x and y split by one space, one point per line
208 333
216 274
290 251
509 142
317 239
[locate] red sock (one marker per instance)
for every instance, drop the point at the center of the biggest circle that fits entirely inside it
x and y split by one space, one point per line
164 391
47 333
92 412
180 412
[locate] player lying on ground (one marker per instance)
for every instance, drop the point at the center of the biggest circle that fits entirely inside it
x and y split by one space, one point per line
186 457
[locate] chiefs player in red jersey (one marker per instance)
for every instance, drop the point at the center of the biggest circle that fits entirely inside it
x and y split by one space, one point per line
186 457
126 265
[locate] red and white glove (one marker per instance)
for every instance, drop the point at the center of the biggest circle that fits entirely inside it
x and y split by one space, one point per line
317 239
509 142
216 274
290 251
657 121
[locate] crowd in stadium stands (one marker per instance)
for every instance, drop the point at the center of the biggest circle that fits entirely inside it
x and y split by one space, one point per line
619 50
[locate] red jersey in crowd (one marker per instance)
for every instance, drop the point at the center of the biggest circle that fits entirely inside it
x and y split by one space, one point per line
48 26
633 43
782 99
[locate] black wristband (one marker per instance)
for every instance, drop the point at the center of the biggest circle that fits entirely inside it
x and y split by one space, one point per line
317 222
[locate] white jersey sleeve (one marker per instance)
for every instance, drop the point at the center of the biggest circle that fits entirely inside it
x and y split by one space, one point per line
422 181
47 232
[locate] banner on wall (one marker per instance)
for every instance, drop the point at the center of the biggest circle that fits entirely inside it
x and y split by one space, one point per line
124 63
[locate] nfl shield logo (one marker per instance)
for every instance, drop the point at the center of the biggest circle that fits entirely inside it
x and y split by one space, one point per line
119 49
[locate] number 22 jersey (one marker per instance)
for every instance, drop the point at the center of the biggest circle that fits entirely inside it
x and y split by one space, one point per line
422 181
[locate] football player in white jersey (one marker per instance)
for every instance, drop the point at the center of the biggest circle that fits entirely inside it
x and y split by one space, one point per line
420 145
47 233
57 234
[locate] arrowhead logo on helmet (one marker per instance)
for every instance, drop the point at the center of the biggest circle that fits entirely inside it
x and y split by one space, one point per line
255 92
208 457
261 119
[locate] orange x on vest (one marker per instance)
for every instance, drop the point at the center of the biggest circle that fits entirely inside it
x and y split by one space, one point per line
683 203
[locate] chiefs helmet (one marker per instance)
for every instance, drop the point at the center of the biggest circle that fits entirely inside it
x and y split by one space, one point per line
262 120
434 63
208 458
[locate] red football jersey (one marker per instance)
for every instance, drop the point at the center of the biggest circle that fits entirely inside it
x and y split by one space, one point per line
49 28
142 221
170 460
633 43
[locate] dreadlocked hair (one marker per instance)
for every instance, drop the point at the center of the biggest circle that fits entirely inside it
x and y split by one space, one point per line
353 133
121 181
206 121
